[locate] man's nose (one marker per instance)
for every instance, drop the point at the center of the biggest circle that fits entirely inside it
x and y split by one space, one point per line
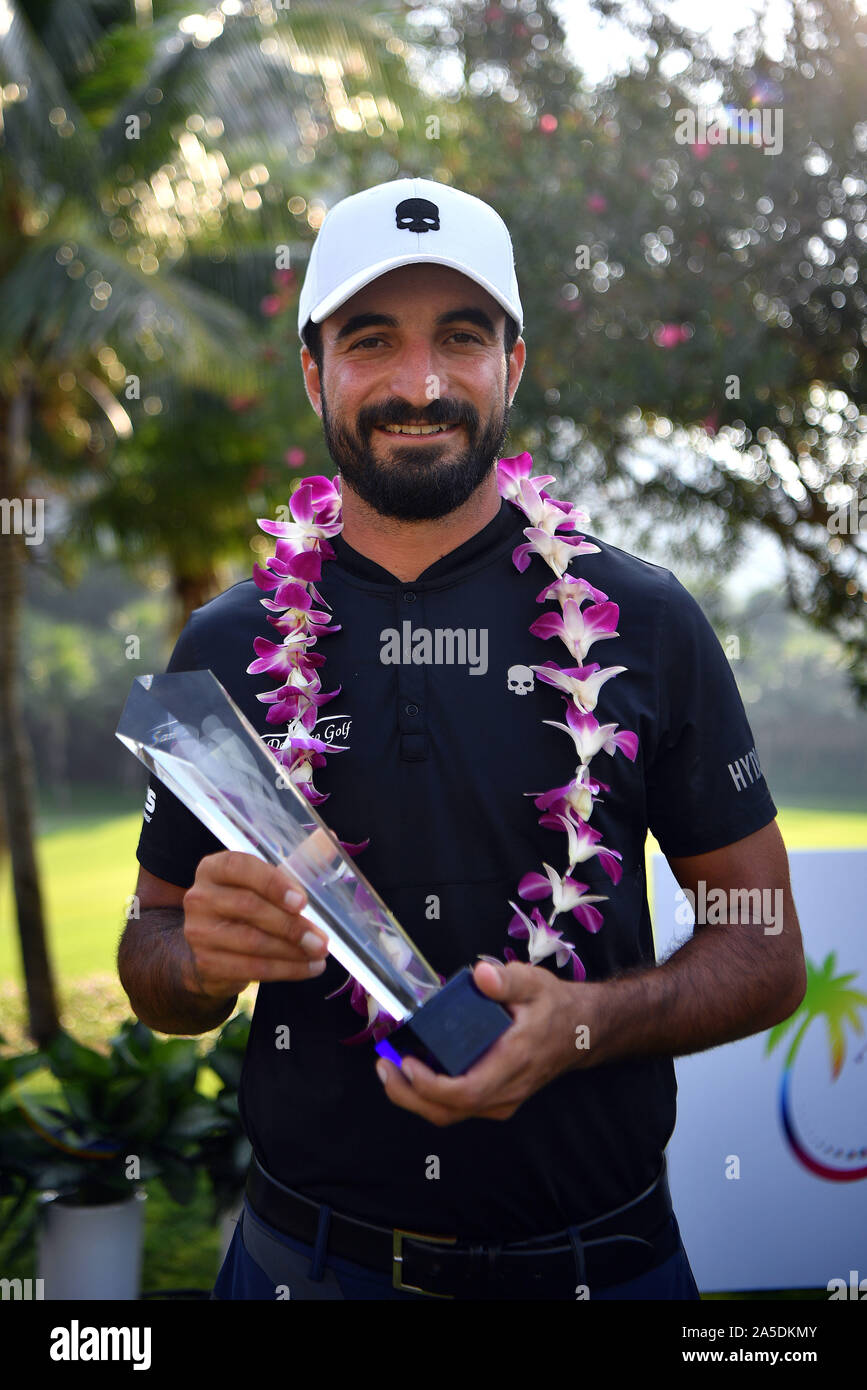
417 374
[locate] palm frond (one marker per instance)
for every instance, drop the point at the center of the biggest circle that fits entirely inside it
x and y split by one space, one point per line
73 29
45 143
168 319
256 78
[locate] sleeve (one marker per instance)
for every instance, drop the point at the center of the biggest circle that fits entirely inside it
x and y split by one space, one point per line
172 839
704 782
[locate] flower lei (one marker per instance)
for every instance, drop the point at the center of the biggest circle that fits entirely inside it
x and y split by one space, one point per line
298 612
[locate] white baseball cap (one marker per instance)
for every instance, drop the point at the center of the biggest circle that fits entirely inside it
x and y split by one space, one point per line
398 223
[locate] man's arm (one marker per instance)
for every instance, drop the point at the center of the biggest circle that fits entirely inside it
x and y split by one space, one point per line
155 964
726 982
186 958
732 978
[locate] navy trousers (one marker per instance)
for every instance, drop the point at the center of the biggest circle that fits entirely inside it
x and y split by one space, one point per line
263 1263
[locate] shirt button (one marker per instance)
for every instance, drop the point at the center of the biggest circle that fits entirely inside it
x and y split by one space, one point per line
411 709
409 596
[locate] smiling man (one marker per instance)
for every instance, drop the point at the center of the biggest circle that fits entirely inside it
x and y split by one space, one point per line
404 462
540 1173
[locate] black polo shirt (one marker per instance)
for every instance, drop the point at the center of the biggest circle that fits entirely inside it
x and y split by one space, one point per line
439 759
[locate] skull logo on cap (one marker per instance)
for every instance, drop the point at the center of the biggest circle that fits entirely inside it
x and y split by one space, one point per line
418 215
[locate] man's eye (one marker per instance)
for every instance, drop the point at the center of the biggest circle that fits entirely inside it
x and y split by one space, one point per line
375 338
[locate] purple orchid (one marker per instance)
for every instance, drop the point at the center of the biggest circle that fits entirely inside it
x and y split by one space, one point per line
570 586
544 940
590 737
582 683
576 629
543 510
580 794
512 472
567 894
352 849
584 842
566 808
276 657
556 551
316 510
379 1022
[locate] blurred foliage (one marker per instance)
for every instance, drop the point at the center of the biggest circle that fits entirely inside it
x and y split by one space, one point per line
137 1105
78 662
808 733
704 262
653 273
137 1099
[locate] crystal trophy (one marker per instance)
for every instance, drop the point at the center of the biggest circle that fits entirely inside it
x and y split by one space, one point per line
187 730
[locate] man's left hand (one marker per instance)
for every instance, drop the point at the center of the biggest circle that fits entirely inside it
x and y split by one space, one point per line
539 1045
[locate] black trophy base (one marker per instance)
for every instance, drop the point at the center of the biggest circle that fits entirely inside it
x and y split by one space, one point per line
452 1030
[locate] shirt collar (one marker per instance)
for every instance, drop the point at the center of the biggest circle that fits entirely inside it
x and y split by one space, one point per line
507 522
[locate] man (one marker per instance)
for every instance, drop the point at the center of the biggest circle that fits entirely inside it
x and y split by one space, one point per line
540 1173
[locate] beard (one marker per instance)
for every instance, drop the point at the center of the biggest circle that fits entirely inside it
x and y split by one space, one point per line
418 482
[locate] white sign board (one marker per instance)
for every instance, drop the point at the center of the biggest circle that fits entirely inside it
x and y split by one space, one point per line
768 1161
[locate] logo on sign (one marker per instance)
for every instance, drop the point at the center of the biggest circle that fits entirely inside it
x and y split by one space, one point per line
816 1116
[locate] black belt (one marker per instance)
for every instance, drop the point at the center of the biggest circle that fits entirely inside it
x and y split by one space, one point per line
610 1249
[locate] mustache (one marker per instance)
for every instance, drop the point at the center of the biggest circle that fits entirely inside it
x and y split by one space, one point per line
437 413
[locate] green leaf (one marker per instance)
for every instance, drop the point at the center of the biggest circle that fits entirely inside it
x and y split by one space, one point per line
77 1095
179 1180
198 1118
227 1103
228 1068
70 1061
235 1034
133 1046
178 1062
150 1112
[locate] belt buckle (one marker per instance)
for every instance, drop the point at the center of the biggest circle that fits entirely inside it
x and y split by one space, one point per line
397 1259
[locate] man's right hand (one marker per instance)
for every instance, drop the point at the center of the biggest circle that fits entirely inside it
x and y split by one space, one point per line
239 926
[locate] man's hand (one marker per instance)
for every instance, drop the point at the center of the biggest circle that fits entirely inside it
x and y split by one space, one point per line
240 927
539 1045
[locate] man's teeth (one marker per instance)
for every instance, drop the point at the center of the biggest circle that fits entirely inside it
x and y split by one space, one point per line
415 429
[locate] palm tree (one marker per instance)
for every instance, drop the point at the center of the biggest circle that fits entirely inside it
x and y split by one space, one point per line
827 996
89 300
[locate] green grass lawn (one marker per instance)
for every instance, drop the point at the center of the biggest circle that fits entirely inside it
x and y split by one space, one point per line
88 867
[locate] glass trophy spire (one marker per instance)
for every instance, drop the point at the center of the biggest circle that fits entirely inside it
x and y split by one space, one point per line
188 731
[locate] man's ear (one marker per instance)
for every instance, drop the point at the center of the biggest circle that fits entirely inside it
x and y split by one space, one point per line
312 383
516 367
